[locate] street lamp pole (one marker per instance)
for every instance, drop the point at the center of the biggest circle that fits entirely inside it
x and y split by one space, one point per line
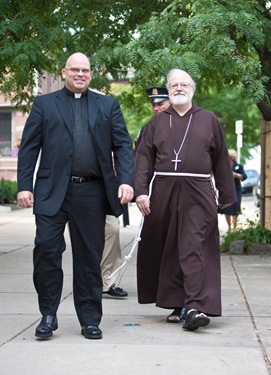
239 131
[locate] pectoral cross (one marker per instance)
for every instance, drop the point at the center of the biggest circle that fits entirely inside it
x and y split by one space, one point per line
176 161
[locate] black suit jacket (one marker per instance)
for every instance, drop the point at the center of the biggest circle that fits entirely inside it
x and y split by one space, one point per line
48 132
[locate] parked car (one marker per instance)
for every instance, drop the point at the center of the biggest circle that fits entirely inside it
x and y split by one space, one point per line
257 192
250 182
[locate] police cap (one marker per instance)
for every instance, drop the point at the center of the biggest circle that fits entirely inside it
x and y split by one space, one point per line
157 94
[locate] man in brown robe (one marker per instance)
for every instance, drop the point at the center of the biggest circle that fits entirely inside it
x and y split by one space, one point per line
179 255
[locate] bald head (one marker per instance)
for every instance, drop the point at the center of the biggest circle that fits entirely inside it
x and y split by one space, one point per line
77 74
77 57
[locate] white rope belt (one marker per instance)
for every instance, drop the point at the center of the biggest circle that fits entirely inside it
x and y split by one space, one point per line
178 174
129 256
137 237
182 174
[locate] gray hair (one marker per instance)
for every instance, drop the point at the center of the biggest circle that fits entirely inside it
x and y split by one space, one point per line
177 70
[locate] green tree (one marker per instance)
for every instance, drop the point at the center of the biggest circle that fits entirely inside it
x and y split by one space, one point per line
229 106
38 36
223 44
220 43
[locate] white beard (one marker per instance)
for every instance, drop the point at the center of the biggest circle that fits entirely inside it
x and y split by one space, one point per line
179 99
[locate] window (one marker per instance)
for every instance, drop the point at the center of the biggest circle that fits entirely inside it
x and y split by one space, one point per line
5 133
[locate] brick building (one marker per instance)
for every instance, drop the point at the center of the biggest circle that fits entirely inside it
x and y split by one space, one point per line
12 122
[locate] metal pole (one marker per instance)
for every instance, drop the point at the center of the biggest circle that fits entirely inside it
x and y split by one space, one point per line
239 146
239 131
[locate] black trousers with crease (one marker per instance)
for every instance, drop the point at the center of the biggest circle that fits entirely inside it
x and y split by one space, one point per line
84 209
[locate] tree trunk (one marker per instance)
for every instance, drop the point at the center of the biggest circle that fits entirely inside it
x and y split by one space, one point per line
265 201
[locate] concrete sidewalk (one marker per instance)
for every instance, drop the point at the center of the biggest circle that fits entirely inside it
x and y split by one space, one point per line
136 338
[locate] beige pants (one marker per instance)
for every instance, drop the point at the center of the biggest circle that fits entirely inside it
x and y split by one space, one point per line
112 258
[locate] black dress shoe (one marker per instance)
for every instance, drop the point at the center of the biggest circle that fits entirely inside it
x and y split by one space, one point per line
91 332
115 291
47 325
195 320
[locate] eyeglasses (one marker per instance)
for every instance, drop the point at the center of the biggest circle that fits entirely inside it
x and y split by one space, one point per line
183 85
77 70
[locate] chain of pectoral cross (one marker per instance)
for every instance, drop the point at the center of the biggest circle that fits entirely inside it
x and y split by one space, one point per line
176 160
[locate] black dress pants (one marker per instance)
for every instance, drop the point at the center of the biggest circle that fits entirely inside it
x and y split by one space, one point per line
84 208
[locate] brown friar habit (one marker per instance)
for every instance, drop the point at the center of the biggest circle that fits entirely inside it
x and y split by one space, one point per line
178 260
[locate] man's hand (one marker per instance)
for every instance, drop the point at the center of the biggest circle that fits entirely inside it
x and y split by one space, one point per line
25 199
143 203
125 193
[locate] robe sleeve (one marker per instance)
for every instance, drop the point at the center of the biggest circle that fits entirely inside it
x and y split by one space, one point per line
144 160
221 166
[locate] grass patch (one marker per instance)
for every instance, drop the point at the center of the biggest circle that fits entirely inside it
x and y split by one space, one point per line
253 233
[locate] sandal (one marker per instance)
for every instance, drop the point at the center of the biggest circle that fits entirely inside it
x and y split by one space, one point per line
194 320
179 313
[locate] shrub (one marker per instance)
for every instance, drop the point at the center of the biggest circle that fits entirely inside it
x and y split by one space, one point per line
253 234
8 191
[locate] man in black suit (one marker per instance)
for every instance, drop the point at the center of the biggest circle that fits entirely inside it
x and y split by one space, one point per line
75 131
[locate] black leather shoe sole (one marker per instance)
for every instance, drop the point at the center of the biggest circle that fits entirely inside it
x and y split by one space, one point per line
116 294
47 325
91 332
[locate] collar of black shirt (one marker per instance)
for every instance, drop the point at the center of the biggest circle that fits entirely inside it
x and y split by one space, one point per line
70 93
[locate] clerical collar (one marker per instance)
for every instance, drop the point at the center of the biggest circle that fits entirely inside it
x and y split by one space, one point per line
75 94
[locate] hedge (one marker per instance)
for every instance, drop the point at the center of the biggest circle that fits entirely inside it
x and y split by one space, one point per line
8 191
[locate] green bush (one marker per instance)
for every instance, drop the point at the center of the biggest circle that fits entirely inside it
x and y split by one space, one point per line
8 191
253 234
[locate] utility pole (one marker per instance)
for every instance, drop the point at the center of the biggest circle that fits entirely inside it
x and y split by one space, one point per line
239 131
